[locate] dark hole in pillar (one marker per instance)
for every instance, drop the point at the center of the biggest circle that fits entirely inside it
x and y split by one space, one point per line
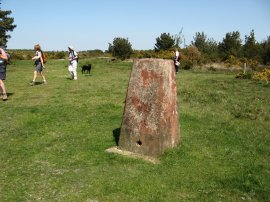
139 143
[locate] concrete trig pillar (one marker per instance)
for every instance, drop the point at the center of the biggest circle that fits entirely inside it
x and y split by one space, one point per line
150 122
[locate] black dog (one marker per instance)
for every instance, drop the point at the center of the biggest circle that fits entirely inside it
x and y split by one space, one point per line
86 68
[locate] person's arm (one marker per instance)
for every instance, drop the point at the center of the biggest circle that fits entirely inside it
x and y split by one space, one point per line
3 54
41 60
37 56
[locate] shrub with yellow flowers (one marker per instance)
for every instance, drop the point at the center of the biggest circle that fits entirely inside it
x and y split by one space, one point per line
262 76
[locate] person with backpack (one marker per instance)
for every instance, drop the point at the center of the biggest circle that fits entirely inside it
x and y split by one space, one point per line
3 67
73 62
39 64
177 58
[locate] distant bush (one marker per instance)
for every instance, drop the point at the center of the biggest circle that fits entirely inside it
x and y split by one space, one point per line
242 75
232 61
143 54
28 54
262 76
93 53
253 64
191 57
120 48
186 65
153 54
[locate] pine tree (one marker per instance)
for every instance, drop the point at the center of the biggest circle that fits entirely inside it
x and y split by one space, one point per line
251 48
121 48
231 45
6 25
164 42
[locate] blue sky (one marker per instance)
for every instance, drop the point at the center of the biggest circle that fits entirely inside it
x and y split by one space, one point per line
92 24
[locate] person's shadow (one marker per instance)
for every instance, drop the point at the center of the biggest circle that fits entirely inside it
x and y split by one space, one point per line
38 83
10 94
116 135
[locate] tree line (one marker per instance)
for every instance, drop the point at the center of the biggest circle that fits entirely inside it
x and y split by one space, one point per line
202 49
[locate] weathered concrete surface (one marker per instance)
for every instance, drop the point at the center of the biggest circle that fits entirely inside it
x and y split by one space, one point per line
150 121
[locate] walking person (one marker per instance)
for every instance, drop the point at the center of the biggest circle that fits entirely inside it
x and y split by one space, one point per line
39 64
177 58
73 62
3 67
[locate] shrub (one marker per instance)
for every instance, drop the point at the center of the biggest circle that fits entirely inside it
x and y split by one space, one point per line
232 61
262 76
253 64
244 75
121 48
191 57
211 68
186 65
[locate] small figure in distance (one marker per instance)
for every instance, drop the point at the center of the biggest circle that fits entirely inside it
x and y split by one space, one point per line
177 58
73 62
39 64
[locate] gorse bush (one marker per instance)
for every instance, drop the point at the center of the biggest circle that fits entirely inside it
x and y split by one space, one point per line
262 76
232 61
252 63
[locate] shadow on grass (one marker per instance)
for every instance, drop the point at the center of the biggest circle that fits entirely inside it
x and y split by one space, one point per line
116 135
10 94
38 83
87 75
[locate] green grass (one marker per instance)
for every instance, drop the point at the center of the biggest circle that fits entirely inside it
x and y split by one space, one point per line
54 137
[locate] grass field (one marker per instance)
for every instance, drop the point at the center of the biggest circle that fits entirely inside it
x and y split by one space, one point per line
54 137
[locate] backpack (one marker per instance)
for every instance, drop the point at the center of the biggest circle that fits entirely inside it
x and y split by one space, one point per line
8 61
77 59
43 57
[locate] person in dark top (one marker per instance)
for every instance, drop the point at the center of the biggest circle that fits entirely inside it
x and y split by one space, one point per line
3 66
177 58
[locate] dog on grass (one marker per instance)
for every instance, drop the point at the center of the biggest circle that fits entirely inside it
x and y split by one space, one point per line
86 68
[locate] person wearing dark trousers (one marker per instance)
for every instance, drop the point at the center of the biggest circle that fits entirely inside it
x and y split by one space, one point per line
177 58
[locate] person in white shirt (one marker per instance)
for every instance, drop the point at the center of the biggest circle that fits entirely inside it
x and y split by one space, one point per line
73 62
177 57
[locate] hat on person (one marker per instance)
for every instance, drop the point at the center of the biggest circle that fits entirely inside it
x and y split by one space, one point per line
71 47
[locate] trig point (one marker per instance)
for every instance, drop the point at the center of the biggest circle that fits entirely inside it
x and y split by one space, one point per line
150 121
